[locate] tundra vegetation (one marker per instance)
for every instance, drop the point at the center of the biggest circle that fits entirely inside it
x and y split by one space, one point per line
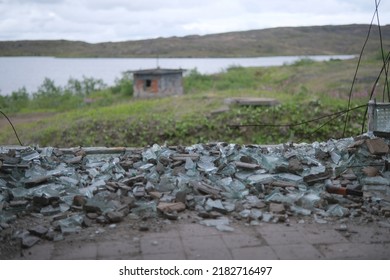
87 112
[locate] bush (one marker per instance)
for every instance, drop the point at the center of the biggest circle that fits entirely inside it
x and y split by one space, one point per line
124 85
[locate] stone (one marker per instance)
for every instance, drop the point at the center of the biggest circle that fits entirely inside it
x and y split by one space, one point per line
18 203
92 215
171 207
316 174
50 210
245 165
170 215
181 196
370 171
155 195
38 230
40 200
4 225
79 200
29 240
294 165
223 221
71 224
143 228
101 219
114 217
267 217
377 146
205 188
31 182
87 222
215 205
277 208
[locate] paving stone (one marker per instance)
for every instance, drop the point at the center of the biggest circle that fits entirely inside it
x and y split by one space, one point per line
165 256
254 253
41 252
161 245
322 236
75 251
303 251
116 249
206 248
286 236
355 251
235 240
190 230
368 235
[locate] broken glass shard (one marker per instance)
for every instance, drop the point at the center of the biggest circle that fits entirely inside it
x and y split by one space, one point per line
50 210
190 166
68 181
309 201
215 205
145 208
337 210
148 155
300 211
256 214
377 180
267 217
206 164
227 170
19 193
245 213
71 224
273 163
260 179
166 184
145 167
229 206
47 152
29 154
3 183
289 177
215 222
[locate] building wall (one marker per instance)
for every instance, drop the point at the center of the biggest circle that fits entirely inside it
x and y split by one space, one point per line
146 85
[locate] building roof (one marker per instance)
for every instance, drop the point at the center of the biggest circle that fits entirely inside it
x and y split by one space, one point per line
157 71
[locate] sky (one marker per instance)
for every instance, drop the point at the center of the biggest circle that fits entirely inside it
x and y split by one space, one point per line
96 21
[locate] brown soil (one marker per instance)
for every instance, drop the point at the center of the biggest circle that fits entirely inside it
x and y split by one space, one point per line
23 118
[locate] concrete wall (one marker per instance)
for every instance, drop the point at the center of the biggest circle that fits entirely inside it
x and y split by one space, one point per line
154 85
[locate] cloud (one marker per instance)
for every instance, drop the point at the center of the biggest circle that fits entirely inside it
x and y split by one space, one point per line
119 20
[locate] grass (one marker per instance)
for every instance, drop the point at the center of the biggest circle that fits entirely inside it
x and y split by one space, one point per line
306 90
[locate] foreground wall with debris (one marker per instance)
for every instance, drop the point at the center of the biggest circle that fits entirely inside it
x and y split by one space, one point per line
69 189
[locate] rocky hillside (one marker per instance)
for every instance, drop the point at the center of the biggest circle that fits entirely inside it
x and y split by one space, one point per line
345 39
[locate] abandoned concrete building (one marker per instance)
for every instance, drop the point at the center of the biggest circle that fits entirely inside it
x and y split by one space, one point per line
158 82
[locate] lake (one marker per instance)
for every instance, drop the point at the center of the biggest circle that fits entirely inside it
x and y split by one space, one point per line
29 72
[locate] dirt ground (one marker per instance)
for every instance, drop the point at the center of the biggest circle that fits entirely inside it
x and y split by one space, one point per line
23 118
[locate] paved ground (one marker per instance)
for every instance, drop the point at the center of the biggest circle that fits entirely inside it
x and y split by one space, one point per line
187 240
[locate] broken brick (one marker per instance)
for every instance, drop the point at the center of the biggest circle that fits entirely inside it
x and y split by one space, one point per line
171 207
377 146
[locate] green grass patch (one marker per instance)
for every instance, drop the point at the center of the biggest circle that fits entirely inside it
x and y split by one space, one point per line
306 90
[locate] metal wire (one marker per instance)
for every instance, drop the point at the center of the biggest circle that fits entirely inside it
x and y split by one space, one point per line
16 134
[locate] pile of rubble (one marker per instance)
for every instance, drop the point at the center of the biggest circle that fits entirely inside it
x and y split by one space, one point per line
220 182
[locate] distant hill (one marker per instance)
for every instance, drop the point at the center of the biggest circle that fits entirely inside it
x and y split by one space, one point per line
337 39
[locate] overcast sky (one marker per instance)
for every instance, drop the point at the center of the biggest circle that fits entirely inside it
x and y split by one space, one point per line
121 20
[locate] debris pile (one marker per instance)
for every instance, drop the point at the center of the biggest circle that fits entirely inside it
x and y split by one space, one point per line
83 187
